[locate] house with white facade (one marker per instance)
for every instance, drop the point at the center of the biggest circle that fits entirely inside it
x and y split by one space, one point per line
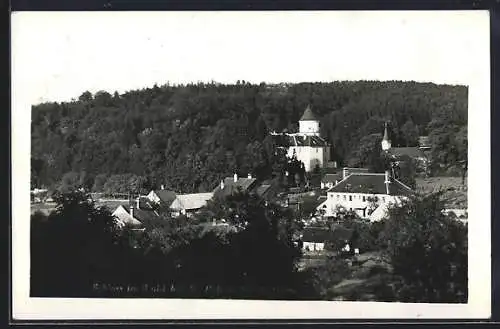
306 145
367 194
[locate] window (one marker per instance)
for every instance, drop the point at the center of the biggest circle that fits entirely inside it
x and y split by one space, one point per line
364 198
350 197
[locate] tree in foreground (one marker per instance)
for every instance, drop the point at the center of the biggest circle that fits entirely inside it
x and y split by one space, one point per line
71 248
428 251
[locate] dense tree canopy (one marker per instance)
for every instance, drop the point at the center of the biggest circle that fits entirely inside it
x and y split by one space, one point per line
188 137
428 251
78 247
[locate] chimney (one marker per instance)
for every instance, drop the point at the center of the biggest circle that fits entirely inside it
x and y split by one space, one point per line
235 177
163 187
345 172
132 211
222 184
249 176
137 202
387 181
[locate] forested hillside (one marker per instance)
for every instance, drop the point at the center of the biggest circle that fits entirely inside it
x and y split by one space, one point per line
189 137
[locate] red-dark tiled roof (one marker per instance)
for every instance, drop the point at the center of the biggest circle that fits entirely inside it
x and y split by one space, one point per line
370 183
332 178
308 115
231 187
166 196
144 216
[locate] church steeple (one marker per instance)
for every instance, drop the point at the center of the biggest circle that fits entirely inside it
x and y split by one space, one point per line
386 142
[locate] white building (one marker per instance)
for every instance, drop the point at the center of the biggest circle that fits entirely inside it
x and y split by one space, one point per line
306 145
367 194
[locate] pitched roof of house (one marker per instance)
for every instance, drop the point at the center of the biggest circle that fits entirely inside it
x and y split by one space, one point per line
331 178
166 196
287 140
412 152
308 115
370 183
231 187
142 215
191 201
144 203
262 189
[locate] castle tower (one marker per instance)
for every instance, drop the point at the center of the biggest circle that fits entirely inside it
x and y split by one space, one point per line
308 123
386 142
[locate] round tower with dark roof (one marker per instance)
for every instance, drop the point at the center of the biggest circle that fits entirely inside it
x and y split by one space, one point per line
308 123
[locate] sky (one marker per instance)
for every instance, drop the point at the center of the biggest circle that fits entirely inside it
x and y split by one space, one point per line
59 55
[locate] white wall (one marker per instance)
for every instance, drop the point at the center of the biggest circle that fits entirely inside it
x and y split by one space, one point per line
309 127
352 201
310 156
313 246
153 197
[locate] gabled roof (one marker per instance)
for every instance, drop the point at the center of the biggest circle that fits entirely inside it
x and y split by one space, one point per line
331 178
166 196
412 152
231 187
308 115
268 190
141 215
370 183
144 203
262 189
191 201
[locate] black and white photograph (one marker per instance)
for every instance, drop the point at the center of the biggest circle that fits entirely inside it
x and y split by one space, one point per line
253 157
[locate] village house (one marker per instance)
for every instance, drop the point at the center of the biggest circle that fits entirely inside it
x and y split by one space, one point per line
314 239
306 145
138 213
231 185
367 194
189 204
162 197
